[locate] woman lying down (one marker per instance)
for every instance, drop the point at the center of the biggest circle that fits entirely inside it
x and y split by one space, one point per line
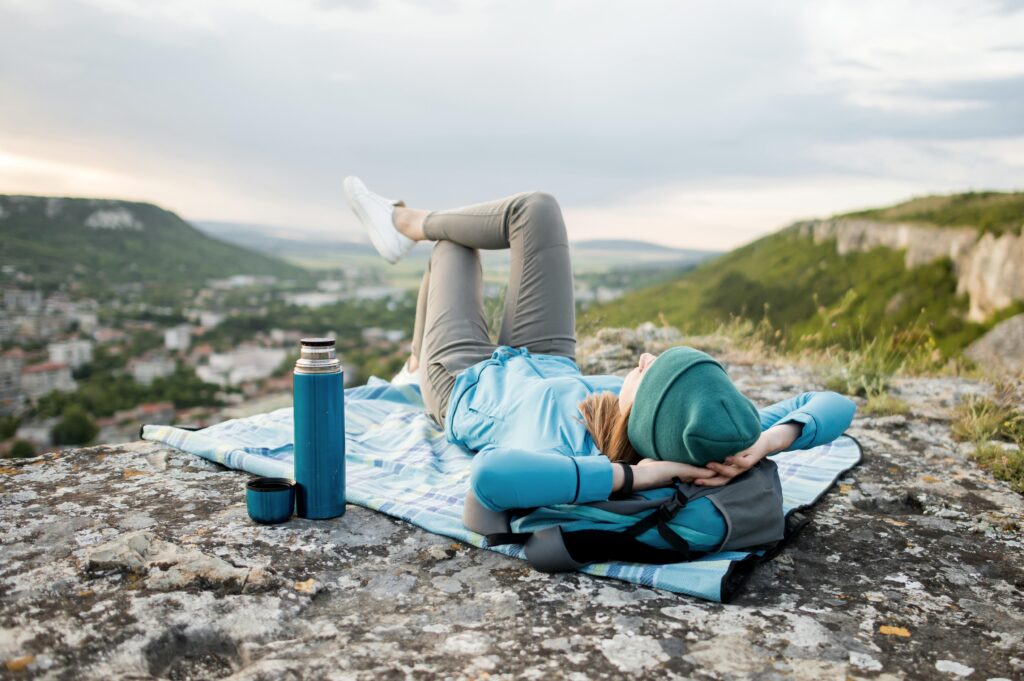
675 434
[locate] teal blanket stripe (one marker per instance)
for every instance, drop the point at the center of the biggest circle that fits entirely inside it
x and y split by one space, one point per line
399 462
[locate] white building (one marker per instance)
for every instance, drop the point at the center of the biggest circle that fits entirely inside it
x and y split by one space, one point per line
209 319
246 363
379 293
87 321
330 285
285 337
8 329
242 281
37 326
148 369
178 337
106 334
42 379
605 294
20 299
375 333
313 299
11 396
37 432
74 353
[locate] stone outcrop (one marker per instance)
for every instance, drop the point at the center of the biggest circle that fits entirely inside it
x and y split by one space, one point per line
139 561
167 566
1001 350
989 268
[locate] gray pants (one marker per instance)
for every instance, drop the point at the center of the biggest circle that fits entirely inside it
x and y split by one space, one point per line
451 331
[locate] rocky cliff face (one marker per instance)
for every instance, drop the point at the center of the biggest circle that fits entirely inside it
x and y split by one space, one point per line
139 561
1001 350
989 268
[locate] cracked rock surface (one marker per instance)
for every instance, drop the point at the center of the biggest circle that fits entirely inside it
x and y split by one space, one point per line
139 561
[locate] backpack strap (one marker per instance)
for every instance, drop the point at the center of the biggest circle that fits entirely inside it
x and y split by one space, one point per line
552 550
660 519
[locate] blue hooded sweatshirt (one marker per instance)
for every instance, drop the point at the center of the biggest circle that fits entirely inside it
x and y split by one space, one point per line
520 413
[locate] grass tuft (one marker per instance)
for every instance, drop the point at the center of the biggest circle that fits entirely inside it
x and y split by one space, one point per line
865 364
885 404
1005 464
995 426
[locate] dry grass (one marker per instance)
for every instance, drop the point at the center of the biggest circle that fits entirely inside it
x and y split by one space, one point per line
1000 416
995 426
885 404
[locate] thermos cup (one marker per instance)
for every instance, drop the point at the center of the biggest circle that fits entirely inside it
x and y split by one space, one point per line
319 431
270 500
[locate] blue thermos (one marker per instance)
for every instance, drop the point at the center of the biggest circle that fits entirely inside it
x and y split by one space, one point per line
319 431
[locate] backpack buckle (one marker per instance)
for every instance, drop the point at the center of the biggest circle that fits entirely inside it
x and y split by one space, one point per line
670 508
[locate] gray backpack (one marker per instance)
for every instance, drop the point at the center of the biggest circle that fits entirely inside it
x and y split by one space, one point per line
751 506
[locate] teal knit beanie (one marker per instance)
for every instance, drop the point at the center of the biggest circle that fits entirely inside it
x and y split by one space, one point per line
687 410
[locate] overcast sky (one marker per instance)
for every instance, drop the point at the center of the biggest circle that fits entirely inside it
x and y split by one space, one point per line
700 124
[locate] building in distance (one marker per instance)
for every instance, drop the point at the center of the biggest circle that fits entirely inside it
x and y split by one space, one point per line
11 395
245 363
38 380
178 338
74 353
145 370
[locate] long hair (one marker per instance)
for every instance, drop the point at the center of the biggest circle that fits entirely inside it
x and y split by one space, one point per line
608 426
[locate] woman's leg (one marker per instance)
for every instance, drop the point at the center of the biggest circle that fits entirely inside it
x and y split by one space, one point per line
450 332
540 312
416 351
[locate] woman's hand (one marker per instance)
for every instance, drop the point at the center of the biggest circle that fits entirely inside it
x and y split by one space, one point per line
775 439
651 474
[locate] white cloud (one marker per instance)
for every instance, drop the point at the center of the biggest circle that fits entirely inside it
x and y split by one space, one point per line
733 116
884 53
933 164
727 214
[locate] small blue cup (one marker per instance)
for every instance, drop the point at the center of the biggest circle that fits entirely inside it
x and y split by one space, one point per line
270 500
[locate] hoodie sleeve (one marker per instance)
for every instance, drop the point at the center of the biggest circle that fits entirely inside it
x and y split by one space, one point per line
823 415
504 478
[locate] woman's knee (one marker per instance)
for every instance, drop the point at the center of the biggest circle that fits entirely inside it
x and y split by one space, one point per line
540 212
540 203
450 254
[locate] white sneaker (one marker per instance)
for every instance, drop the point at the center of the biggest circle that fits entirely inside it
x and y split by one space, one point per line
375 212
406 377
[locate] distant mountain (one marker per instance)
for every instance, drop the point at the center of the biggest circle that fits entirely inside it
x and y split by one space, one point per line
342 245
283 241
628 245
825 281
102 242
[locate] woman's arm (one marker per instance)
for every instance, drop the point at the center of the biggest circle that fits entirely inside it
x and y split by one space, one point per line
776 439
516 478
822 416
801 422
519 478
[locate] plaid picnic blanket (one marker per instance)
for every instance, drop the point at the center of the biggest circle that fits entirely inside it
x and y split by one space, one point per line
399 462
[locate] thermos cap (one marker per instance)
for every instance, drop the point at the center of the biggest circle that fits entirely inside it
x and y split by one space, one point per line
318 342
317 356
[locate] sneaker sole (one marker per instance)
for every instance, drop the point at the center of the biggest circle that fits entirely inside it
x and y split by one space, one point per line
364 218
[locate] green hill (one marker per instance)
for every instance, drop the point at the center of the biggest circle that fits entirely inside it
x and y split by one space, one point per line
96 244
812 296
995 212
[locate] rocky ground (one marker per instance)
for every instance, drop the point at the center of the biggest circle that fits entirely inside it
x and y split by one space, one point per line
139 561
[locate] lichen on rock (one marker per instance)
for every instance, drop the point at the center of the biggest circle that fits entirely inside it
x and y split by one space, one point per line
163 574
167 566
